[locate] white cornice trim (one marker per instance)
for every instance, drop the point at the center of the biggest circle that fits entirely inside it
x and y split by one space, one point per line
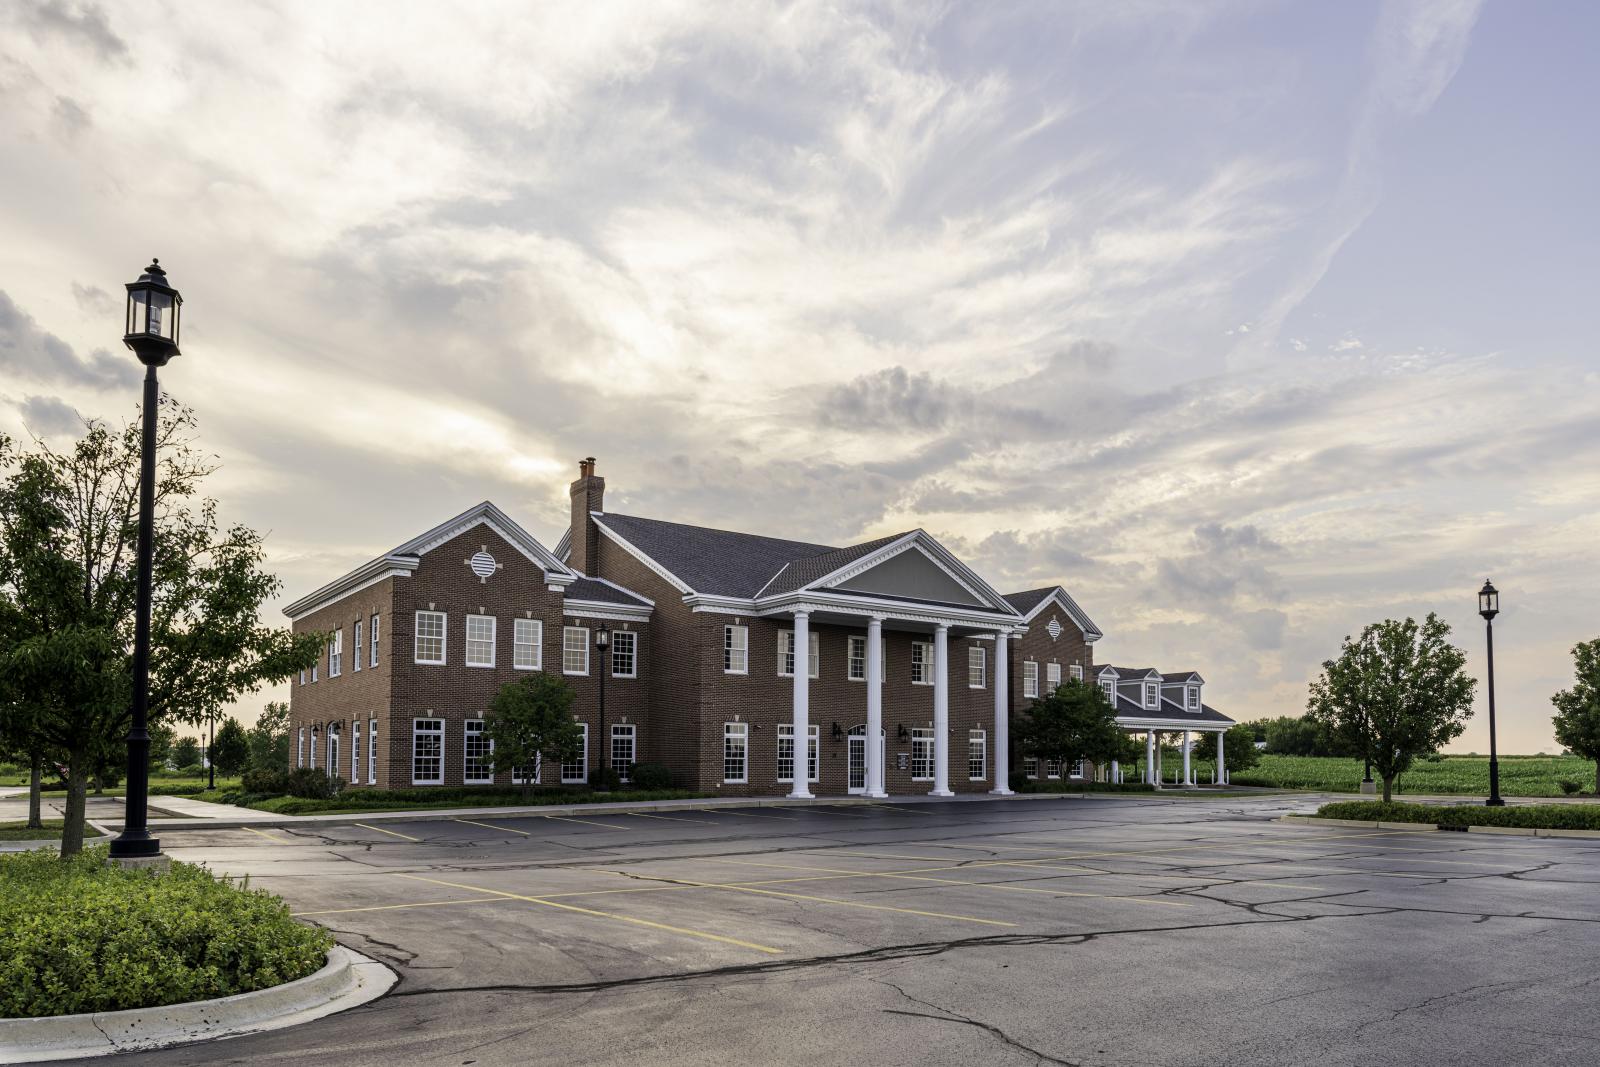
1062 599
816 600
621 589
1144 723
487 514
604 609
628 547
364 576
933 552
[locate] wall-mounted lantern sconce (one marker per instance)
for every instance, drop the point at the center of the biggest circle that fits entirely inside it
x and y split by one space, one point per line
903 734
838 734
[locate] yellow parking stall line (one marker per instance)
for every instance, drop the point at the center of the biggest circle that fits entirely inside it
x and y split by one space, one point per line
911 877
669 818
269 837
587 822
1091 873
491 826
878 855
745 814
833 809
1189 848
391 833
907 811
703 935
396 907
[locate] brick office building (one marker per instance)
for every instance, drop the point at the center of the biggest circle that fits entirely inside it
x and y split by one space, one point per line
724 647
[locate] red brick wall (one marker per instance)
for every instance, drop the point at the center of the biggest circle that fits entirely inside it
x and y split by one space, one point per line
354 694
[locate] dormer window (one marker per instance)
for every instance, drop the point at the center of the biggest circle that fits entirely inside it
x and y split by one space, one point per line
1110 687
1152 694
1194 698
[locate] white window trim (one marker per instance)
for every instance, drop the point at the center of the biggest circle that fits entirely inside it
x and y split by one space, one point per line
566 632
583 754
355 747
926 648
633 655
1109 688
1152 695
355 649
981 737
631 732
466 760
332 741
736 639
1194 698
300 749
372 751
786 654
1030 678
537 626
813 743
415 734
466 637
741 730
982 666
336 653
924 733
1076 672
444 639
538 772
1052 676
313 748
372 659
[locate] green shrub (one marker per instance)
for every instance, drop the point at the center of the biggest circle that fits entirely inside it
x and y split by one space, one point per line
651 776
182 789
604 779
403 799
1568 786
273 782
1528 816
313 783
191 770
80 936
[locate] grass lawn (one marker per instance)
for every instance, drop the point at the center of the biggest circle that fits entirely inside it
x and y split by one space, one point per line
160 784
18 831
1520 776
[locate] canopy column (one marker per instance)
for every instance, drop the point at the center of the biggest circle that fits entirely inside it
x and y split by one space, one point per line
941 713
802 704
874 737
1002 719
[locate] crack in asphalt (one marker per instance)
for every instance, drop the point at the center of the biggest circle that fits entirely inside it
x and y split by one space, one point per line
950 1016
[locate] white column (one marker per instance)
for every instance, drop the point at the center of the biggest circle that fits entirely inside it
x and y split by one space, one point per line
941 713
1116 771
875 708
802 705
1222 766
1150 758
1188 779
1002 718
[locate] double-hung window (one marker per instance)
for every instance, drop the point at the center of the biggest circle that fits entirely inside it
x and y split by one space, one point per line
922 754
1152 694
336 653
624 655
427 751
1030 678
977 755
786 752
857 660
736 751
736 650
314 740
480 640
333 751
355 649
302 676
372 660
622 750
921 663
372 750
355 746
1077 769
477 752
786 655
430 632
1110 687
1194 698
1052 768
526 636
1076 672
574 650
977 667
575 768
300 749
1030 766
522 774
1052 676
314 673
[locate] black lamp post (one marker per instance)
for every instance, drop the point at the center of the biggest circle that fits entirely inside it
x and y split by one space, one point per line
602 641
152 334
1489 607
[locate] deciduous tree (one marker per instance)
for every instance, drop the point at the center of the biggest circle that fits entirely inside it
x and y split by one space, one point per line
1238 747
1577 719
269 738
230 752
1396 692
530 719
1074 722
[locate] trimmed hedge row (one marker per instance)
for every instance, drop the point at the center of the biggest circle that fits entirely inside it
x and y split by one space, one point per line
404 799
81 936
1527 816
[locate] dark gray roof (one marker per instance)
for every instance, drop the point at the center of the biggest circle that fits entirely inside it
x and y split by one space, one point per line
1026 601
1132 709
1131 674
603 592
1179 677
717 562
800 573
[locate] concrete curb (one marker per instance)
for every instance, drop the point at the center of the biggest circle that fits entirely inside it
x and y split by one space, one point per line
1368 824
348 980
1509 831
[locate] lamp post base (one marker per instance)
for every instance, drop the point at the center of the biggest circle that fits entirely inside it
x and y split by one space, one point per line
1494 802
158 863
1368 786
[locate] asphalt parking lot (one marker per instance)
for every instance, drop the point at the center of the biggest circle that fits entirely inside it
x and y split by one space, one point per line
1104 930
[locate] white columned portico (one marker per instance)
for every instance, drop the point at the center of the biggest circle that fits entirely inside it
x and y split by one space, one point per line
802 705
1002 719
1150 758
875 708
1220 775
941 713
1188 779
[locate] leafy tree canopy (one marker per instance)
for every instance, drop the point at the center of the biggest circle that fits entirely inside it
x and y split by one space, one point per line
1577 719
532 718
230 751
1074 722
269 738
1238 747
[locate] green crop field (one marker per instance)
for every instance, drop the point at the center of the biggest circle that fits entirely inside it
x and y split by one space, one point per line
1520 776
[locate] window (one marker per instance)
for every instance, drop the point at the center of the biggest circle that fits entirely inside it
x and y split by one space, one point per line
372 749
576 767
786 655
921 663
1076 672
1194 698
313 748
477 754
1052 768
574 650
302 676
427 751
622 738
736 651
1077 769
300 749
372 660
520 775
1110 687
1052 676
921 754
333 750
977 666
1152 694
786 752
977 755
480 640
735 747
336 653
624 654
355 745
355 649
313 672
1030 766
526 636
430 637
857 662
1030 678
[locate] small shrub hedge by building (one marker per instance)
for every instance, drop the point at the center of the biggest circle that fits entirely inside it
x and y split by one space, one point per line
446 797
81 936
1527 816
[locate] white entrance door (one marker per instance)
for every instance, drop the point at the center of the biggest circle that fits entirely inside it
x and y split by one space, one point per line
856 782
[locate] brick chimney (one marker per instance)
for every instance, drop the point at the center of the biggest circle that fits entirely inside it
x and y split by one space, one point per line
588 494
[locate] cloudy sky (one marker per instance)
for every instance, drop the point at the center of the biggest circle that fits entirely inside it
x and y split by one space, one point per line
1248 322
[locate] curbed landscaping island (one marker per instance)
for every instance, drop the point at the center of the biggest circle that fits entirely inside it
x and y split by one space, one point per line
80 936
1524 816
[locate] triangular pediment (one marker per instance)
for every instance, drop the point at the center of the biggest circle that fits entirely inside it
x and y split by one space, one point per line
912 575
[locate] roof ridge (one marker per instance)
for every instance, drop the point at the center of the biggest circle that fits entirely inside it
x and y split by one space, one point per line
719 530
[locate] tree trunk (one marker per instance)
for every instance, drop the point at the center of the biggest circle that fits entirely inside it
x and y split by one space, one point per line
99 785
1596 778
35 782
1388 788
77 787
